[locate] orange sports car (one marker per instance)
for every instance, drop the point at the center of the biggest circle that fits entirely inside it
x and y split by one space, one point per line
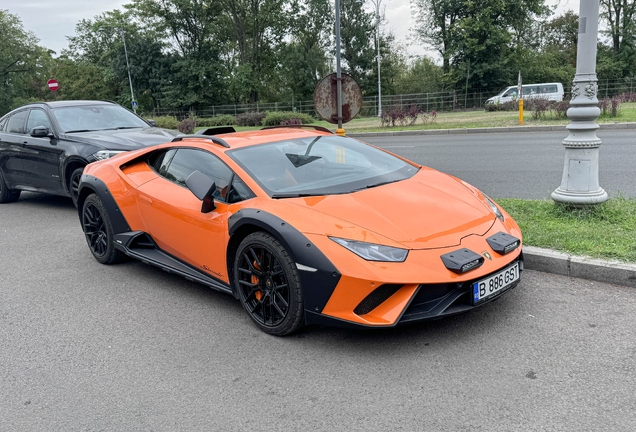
303 227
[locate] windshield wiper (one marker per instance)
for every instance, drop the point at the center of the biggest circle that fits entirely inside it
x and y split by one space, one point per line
82 130
380 184
294 195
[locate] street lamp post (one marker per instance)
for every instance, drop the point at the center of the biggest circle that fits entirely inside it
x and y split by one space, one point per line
580 183
123 38
377 38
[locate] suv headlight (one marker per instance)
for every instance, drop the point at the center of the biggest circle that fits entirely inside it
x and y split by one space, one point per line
495 209
373 252
106 154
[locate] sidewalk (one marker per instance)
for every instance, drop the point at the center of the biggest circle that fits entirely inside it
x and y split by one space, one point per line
546 260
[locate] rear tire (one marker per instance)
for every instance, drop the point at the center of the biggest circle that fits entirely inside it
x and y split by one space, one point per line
268 284
7 195
99 231
73 184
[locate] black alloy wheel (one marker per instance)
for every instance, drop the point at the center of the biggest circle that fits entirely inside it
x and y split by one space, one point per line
268 284
7 195
73 184
99 231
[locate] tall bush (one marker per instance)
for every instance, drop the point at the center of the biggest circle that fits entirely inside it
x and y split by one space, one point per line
275 118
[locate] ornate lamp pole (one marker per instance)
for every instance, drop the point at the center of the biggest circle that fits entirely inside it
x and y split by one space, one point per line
580 184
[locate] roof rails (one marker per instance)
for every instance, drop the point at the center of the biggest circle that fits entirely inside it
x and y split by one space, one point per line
318 128
215 140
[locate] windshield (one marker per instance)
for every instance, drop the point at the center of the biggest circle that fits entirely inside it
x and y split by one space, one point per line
322 165
96 117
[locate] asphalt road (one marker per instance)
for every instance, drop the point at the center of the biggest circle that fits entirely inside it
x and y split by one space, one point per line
131 348
517 165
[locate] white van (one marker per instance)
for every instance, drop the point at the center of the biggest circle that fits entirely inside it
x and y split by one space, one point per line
550 91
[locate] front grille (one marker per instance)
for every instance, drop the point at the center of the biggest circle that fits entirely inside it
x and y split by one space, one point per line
376 298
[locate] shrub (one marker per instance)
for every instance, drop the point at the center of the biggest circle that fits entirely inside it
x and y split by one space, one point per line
603 105
221 120
274 118
291 122
615 103
411 114
167 122
394 114
252 118
560 109
539 107
187 126
429 118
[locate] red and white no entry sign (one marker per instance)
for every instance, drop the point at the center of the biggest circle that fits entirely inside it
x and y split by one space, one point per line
53 85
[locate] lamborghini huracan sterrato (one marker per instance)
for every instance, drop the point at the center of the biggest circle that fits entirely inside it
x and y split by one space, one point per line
303 226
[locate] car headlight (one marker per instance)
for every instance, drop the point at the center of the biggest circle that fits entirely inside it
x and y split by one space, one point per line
495 209
106 154
373 252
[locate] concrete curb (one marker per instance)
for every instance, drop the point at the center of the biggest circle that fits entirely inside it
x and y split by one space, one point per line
550 261
511 129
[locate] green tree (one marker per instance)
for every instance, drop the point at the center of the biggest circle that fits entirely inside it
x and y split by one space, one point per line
23 64
254 31
357 35
421 76
190 30
304 59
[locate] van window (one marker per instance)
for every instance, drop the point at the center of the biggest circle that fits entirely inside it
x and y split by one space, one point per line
549 89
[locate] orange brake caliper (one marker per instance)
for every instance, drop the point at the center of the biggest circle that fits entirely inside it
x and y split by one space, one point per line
255 280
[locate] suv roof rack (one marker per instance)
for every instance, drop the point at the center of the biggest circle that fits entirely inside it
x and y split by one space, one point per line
215 140
318 128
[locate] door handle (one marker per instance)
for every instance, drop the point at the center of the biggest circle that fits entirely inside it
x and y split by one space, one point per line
144 199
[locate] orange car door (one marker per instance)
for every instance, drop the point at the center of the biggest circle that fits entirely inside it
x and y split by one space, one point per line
172 214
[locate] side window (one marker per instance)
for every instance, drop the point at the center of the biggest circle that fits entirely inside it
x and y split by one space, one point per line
160 161
37 117
240 191
3 123
16 122
186 161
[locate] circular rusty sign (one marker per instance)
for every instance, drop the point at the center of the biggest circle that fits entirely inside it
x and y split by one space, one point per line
326 98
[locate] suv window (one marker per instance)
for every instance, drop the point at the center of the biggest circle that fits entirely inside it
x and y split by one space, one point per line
16 122
3 122
37 117
186 161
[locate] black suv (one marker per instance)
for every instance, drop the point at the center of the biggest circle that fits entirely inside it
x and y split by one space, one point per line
45 146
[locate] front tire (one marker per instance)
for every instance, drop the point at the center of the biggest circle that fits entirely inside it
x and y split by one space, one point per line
99 231
73 184
7 195
268 284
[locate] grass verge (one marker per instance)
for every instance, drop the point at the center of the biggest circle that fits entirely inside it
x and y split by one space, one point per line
468 119
605 231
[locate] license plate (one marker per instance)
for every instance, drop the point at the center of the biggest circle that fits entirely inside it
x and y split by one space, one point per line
498 282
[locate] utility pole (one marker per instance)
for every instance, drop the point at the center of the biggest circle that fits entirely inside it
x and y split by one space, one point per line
377 38
580 183
340 130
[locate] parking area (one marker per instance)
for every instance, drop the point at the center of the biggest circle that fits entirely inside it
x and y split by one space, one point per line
129 347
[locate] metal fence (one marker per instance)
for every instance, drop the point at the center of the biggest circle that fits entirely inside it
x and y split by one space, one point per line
427 102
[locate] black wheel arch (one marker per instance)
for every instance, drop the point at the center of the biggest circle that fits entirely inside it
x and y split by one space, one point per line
71 164
317 286
89 185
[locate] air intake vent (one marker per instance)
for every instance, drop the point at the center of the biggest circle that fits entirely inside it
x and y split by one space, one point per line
376 298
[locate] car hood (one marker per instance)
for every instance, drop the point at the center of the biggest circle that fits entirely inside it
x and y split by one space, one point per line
429 210
126 139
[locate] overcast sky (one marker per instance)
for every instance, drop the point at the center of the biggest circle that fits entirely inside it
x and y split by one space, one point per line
53 20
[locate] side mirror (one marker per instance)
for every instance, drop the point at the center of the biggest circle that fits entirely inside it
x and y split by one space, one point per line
203 187
152 123
40 132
